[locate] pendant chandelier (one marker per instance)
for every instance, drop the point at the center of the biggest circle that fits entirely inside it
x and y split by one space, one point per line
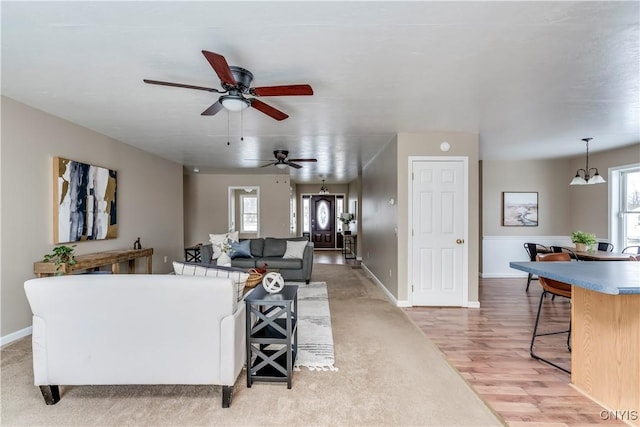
583 176
323 190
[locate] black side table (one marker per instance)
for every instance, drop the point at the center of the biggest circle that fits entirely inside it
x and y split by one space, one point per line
272 339
192 253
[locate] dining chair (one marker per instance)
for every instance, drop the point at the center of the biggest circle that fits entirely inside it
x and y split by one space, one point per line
631 250
605 246
533 249
562 249
553 287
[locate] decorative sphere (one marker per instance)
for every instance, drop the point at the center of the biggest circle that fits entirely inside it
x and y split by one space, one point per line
273 282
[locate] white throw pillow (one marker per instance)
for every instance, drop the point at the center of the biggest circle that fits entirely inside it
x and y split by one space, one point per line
239 278
295 249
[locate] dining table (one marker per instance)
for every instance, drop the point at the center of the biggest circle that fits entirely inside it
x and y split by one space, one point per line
601 255
605 336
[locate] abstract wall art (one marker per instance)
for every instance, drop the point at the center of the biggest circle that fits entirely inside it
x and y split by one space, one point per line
520 209
84 202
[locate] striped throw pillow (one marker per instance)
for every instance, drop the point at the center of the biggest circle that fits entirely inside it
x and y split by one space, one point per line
237 276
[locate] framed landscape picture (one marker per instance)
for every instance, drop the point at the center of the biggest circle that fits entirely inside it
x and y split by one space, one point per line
84 202
520 209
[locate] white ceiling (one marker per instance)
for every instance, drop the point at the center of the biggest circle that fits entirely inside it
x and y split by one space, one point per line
532 78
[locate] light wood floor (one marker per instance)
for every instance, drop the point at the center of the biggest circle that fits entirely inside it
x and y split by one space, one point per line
330 256
490 348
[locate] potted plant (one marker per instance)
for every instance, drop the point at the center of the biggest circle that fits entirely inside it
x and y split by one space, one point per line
61 256
583 240
346 218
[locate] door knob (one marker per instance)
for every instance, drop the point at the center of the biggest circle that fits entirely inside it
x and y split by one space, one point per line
460 241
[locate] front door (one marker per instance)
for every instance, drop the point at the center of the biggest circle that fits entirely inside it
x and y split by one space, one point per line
323 221
438 270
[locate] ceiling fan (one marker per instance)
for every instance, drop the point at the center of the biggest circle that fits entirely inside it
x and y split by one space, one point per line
283 160
236 84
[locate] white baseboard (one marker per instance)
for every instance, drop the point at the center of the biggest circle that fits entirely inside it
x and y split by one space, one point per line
389 295
473 304
7 339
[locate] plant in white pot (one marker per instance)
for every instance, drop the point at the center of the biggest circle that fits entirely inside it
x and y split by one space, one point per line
346 218
582 240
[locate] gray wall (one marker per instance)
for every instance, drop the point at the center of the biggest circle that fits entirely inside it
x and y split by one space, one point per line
206 204
149 199
379 243
550 178
589 203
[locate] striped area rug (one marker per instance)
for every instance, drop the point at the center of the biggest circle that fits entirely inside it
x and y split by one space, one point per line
315 337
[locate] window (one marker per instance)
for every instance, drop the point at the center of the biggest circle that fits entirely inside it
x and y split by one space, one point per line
306 214
248 213
625 206
630 207
339 210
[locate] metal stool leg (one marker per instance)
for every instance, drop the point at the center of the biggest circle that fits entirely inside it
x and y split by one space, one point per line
528 282
535 334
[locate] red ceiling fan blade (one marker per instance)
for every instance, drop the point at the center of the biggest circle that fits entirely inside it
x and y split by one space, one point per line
303 160
268 110
213 109
288 90
157 82
294 165
221 67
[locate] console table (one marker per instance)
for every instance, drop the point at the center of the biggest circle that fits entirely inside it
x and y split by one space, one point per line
272 338
349 246
98 259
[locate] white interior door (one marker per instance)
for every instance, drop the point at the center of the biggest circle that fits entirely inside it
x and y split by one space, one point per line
438 219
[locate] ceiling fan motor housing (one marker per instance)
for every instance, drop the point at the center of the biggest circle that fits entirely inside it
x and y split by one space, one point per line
243 78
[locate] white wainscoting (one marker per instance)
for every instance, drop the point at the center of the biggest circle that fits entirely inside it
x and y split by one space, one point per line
498 251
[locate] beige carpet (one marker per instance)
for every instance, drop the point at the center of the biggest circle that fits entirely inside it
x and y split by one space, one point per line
389 374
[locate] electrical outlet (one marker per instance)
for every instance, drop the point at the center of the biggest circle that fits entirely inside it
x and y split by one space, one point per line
390 273
165 259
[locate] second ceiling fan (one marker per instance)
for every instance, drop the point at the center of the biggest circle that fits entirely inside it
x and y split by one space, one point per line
236 85
283 160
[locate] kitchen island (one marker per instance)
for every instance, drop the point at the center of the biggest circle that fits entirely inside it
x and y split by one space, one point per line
605 337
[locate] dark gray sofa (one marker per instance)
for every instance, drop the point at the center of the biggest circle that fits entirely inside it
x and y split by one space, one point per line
270 250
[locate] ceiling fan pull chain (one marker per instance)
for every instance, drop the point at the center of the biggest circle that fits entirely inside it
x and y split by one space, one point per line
241 125
228 137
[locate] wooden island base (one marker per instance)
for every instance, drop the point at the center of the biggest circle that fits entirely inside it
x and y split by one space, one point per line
605 356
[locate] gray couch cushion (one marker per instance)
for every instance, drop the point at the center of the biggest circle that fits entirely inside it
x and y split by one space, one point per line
257 246
277 262
276 247
244 262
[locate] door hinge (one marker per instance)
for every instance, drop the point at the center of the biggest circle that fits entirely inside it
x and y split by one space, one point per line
411 287
412 176
412 232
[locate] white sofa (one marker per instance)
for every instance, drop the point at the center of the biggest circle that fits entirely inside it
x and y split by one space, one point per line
135 329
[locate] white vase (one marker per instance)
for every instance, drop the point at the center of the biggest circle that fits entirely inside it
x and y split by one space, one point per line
224 260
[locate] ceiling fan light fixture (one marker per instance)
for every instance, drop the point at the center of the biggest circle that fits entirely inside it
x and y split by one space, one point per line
281 165
583 176
234 102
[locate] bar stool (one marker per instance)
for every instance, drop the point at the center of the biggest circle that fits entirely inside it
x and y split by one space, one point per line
552 287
